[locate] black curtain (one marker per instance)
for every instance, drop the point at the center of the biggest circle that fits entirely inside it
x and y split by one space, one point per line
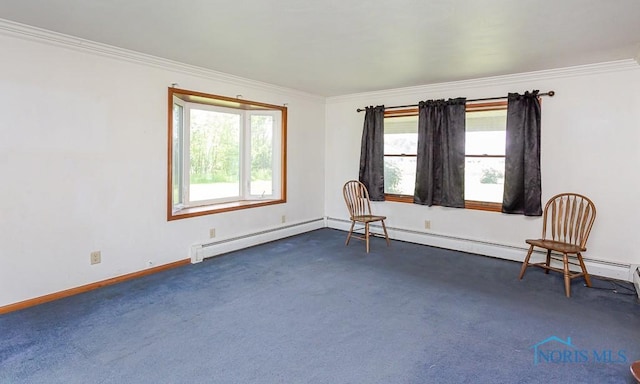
522 181
372 153
441 149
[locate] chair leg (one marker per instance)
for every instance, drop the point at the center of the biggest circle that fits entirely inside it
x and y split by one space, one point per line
525 263
366 230
350 232
546 270
386 236
567 278
587 278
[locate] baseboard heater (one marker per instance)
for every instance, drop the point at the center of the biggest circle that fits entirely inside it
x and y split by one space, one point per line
481 247
205 250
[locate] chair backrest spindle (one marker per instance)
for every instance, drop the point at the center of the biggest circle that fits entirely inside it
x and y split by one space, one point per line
356 197
570 217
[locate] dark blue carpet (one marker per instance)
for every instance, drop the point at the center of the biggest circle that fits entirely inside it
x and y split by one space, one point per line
307 309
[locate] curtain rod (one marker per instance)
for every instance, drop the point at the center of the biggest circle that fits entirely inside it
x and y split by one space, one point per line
550 94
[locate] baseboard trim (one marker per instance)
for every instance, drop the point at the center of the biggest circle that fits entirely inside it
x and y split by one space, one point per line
89 287
198 252
595 267
210 249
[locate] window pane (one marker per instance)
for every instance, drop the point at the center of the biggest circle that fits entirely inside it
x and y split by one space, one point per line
399 175
400 138
485 143
177 146
261 155
401 135
484 179
214 155
486 132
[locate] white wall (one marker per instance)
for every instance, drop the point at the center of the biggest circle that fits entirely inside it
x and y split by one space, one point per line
590 145
83 142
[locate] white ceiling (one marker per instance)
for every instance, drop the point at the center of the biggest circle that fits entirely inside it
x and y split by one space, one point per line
338 47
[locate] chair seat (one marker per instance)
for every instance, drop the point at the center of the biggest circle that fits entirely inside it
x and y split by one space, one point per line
557 246
368 218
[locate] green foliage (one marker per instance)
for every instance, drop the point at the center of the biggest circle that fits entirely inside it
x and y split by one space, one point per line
215 147
261 147
392 177
490 176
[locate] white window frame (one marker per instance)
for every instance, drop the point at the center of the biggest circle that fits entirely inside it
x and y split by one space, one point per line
189 100
276 161
186 158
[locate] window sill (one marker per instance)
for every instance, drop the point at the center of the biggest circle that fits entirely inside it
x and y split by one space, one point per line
468 204
219 208
483 206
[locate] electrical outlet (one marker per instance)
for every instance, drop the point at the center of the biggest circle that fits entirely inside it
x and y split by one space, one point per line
96 257
283 218
427 224
212 233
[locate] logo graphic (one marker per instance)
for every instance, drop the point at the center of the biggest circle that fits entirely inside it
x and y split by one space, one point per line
554 350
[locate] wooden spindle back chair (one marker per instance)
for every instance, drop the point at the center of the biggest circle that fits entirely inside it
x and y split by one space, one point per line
567 222
356 197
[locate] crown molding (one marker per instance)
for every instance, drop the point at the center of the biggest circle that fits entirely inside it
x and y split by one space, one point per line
27 32
580 70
